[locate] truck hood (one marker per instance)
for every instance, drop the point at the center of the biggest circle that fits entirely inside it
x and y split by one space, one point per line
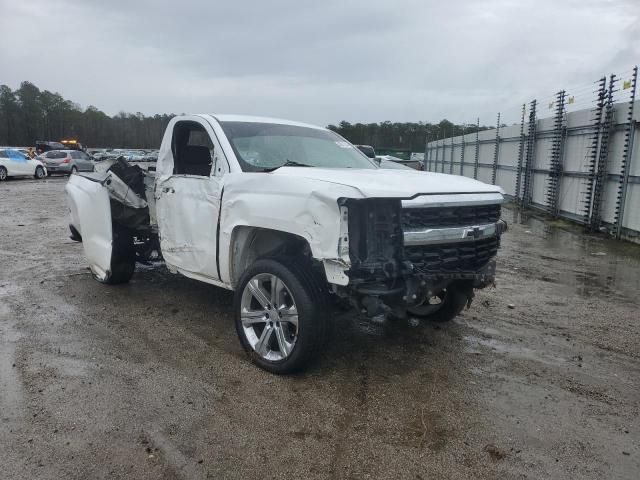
391 183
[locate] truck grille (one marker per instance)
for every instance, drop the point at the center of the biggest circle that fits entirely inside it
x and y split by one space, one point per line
452 258
415 218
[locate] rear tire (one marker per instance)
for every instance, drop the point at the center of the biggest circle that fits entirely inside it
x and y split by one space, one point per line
3 174
455 297
39 172
260 323
123 258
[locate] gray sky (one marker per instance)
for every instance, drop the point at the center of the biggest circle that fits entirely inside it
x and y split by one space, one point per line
317 61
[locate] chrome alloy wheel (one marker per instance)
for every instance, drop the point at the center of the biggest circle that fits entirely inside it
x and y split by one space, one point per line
269 317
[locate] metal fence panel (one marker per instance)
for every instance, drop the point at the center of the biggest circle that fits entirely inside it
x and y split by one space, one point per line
574 163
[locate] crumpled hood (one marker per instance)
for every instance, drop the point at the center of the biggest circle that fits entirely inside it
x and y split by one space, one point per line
391 183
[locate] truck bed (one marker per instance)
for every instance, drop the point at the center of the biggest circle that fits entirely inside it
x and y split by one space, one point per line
120 193
101 203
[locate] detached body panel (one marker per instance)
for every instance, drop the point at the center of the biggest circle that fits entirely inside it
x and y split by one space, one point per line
91 217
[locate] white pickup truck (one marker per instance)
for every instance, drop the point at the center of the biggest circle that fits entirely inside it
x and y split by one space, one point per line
294 219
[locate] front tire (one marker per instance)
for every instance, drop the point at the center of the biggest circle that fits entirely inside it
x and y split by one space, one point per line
3 174
280 314
39 172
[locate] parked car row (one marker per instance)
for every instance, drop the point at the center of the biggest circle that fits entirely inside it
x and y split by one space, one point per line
415 162
129 155
17 162
54 158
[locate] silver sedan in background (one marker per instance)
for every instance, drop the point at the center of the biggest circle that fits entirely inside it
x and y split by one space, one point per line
67 161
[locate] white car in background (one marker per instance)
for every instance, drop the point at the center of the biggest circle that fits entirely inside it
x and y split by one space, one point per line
14 163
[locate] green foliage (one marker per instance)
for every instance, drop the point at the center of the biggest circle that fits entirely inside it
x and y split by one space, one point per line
387 135
28 114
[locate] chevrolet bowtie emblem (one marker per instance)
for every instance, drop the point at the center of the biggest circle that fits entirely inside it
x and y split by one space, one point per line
474 232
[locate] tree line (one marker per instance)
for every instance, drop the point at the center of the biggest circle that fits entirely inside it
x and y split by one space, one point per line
28 114
406 135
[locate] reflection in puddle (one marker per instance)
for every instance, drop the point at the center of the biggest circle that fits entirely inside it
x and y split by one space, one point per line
598 265
511 349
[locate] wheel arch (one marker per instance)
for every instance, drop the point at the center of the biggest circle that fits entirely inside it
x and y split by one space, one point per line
251 243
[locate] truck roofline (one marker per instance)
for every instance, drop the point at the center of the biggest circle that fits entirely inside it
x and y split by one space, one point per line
257 119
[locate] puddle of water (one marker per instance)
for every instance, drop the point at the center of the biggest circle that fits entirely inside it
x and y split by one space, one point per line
65 366
602 265
7 289
511 349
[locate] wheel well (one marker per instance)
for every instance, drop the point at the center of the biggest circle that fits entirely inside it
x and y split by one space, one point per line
250 243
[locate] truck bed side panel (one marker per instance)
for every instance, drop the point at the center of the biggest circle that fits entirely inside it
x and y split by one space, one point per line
90 207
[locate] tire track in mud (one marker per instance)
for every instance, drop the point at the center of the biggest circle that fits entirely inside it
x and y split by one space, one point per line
11 389
176 462
355 397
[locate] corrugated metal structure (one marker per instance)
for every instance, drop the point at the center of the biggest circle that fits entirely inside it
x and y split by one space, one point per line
582 165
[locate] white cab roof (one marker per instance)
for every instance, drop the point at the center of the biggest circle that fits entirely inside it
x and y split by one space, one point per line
249 118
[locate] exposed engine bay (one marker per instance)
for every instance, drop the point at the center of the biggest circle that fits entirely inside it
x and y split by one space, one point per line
401 257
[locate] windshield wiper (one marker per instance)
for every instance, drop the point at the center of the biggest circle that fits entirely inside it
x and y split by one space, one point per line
288 163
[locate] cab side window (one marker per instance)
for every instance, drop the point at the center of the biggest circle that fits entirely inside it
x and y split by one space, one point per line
192 149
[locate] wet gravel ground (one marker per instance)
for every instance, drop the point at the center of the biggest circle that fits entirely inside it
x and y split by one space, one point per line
539 379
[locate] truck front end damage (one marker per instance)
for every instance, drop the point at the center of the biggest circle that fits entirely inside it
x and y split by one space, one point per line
405 255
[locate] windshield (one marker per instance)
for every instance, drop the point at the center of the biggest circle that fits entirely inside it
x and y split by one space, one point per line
262 147
13 154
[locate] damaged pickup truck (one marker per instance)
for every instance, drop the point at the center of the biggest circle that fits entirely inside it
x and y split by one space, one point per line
293 219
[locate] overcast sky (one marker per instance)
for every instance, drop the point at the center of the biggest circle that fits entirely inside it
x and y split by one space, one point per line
316 61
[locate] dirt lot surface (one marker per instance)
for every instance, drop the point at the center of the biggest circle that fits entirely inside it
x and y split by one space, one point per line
539 379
